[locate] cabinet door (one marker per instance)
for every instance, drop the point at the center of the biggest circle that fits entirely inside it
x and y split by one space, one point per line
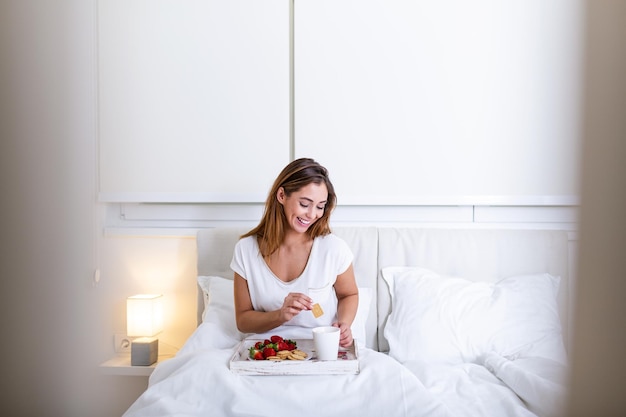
193 99
452 101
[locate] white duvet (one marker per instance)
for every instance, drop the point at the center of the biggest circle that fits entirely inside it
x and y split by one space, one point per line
198 382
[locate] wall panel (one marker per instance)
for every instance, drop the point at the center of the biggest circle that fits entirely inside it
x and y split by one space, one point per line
442 102
193 99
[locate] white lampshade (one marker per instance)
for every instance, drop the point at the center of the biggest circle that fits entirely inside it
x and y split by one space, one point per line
144 314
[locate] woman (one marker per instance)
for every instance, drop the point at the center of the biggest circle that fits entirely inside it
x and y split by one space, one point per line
291 261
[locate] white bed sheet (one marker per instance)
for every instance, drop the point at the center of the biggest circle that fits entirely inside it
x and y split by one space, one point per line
469 390
198 382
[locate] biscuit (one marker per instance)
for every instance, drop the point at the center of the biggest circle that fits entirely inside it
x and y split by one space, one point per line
283 354
317 310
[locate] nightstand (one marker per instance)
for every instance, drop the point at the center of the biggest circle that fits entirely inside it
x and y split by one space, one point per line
120 365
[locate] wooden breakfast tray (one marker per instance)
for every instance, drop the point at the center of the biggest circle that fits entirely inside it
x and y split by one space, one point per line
346 363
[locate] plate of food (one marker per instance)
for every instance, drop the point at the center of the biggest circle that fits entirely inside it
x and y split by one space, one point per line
249 358
276 348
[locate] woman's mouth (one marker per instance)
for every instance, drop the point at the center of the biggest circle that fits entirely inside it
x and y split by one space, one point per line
303 222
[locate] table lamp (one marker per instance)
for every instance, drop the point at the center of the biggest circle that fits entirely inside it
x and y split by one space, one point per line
144 318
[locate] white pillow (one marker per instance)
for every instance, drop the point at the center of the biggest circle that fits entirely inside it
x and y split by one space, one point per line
219 307
442 319
541 383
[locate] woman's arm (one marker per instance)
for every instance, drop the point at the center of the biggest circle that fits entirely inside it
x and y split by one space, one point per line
251 321
347 304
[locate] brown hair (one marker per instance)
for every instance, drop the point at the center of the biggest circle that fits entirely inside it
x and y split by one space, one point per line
292 178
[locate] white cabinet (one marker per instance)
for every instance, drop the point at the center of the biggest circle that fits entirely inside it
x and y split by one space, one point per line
405 101
193 99
440 101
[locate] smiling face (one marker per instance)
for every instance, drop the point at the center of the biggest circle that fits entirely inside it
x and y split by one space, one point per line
304 206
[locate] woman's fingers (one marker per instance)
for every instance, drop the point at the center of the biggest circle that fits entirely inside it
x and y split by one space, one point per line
294 303
345 335
298 301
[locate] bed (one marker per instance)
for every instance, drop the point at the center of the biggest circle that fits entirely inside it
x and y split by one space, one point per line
450 323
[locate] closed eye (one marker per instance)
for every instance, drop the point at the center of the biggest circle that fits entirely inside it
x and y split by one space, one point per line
306 202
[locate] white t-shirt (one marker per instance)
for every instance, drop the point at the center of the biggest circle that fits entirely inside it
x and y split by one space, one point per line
330 256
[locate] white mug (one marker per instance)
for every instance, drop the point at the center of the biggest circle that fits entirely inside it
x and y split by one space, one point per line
326 340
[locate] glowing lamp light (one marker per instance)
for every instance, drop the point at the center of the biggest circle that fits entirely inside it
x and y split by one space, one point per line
144 320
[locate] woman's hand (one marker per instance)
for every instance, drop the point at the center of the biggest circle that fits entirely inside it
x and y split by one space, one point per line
345 334
293 304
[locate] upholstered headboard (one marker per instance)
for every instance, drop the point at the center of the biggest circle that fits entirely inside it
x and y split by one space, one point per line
478 255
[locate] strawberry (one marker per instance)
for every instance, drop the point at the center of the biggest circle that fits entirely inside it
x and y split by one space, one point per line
269 351
256 354
269 347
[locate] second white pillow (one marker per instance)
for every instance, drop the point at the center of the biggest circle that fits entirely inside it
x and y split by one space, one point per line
442 319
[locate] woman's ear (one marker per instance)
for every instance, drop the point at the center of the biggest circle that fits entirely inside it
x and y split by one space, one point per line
280 195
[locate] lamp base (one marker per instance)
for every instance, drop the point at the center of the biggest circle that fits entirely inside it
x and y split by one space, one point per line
144 351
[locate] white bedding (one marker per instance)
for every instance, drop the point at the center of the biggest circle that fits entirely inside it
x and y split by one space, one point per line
198 382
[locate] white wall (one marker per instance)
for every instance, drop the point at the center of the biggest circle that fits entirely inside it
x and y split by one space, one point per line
599 366
167 265
54 322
